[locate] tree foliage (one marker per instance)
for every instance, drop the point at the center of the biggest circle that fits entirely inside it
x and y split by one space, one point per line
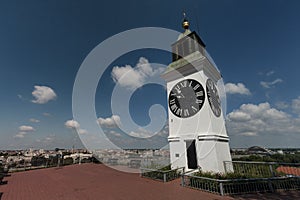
281 158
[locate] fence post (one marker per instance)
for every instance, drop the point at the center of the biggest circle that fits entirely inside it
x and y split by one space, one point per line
221 189
182 180
271 170
270 185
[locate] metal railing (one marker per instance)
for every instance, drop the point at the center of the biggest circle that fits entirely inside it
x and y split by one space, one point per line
262 169
246 177
162 175
240 186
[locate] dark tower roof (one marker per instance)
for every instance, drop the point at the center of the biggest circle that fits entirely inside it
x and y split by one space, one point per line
186 45
189 56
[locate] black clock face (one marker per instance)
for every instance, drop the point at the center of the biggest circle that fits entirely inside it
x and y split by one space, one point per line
213 97
186 98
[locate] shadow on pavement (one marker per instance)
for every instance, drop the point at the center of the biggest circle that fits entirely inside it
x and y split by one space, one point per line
284 195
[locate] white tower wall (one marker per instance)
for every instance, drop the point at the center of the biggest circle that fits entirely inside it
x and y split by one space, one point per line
207 130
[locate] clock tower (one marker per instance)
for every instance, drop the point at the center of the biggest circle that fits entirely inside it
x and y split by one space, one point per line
197 132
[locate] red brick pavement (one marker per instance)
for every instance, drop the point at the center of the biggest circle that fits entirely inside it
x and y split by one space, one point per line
91 181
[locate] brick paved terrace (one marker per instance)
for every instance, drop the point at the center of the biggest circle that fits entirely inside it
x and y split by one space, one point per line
92 181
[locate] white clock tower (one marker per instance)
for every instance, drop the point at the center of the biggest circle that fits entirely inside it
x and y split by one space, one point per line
197 133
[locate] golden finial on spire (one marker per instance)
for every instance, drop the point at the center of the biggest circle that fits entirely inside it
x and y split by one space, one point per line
185 22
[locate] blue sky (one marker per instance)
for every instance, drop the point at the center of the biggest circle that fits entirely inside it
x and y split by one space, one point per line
255 44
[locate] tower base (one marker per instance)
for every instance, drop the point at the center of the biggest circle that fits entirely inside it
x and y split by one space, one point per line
205 152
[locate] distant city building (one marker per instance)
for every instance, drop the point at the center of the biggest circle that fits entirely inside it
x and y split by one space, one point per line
259 150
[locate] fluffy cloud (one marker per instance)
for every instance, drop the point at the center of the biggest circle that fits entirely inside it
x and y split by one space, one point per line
82 131
114 133
282 105
49 139
26 128
133 78
72 124
261 119
23 130
43 94
141 133
239 116
270 84
34 120
20 134
111 122
238 88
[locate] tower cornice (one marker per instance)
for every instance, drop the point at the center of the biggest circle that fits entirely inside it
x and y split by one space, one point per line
190 64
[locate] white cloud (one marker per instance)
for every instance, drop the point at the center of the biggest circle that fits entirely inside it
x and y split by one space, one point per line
82 131
43 94
23 130
46 114
111 122
34 120
20 97
49 139
270 73
114 133
239 116
75 125
282 105
20 134
249 133
261 119
26 128
270 84
238 88
141 133
72 124
132 78
296 105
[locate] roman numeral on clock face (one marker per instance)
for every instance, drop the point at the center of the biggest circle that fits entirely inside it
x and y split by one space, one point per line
174 107
199 101
177 88
200 93
194 109
186 112
183 84
179 112
172 101
196 86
